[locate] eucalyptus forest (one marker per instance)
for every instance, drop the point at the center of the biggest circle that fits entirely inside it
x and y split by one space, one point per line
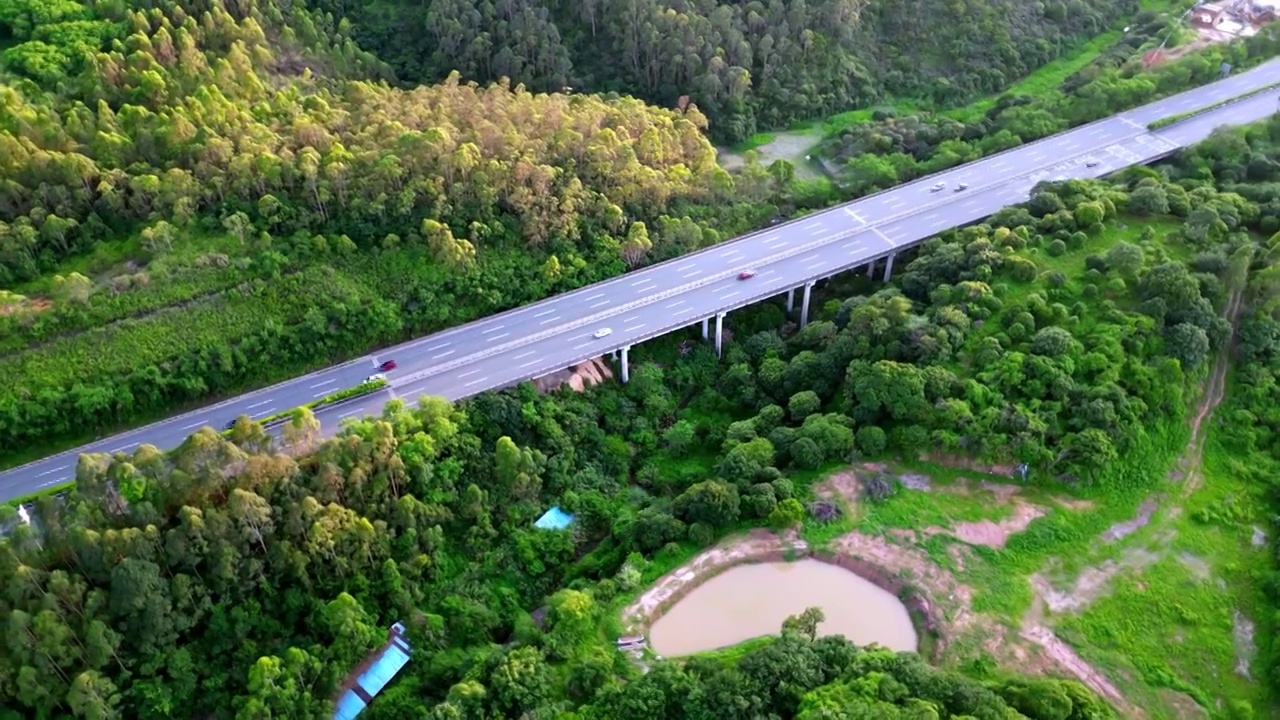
199 197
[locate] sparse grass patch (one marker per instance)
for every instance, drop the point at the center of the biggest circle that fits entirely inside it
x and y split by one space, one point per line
1043 81
941 507
1071 263
1197 576
754 142
821 535
734 653
1167 626
840 121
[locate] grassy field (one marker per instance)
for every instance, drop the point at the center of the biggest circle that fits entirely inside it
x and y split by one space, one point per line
1154 584
1145 584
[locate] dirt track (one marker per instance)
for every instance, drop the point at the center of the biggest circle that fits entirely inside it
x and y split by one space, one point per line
1033 647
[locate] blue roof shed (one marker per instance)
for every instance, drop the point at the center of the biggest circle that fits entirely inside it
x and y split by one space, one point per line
373 675
554 519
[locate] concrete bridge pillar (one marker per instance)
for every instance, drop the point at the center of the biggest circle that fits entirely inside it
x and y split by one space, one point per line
804 306
888 268
704 328
791 300
626 369
720 334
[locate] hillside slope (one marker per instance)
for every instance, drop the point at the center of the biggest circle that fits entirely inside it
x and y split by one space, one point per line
748 66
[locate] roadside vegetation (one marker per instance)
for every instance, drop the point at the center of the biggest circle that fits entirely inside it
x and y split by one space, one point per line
814 147
200 197
1072 335
1154 583
196 202
161 246
867 152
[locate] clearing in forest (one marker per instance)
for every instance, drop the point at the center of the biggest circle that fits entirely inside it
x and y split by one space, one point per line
1095 587
791 145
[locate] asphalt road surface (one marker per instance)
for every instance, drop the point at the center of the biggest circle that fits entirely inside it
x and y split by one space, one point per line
543 337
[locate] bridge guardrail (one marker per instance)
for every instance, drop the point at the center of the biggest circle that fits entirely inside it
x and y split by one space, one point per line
1171 120
681 289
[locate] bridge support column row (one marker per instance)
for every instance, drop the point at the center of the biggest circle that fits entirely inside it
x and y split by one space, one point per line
888 268
626 368
720 334
804 304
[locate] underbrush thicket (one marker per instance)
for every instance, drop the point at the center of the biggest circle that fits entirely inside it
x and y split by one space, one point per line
227 575
1244 450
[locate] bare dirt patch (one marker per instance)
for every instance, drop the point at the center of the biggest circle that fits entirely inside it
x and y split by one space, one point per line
756 546
1182 705
1064 656
1242 632
1090 584
1213 394
26 305
1197 565
996 534
1074 503
578 377
911 481
960 556
791 146
843 486
1128 527
948 601
846 484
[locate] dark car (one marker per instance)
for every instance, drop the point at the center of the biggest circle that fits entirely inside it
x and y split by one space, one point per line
388 365
230 424
746 274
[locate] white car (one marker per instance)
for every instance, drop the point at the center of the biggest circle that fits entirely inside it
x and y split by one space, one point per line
602 332
375 377
938 187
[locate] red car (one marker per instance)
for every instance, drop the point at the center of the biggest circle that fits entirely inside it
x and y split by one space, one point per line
388 365
746 274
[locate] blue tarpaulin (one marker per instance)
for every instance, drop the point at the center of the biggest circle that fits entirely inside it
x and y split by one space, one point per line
554 519
380 670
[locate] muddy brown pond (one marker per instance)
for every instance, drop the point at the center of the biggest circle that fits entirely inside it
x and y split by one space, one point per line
750 601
